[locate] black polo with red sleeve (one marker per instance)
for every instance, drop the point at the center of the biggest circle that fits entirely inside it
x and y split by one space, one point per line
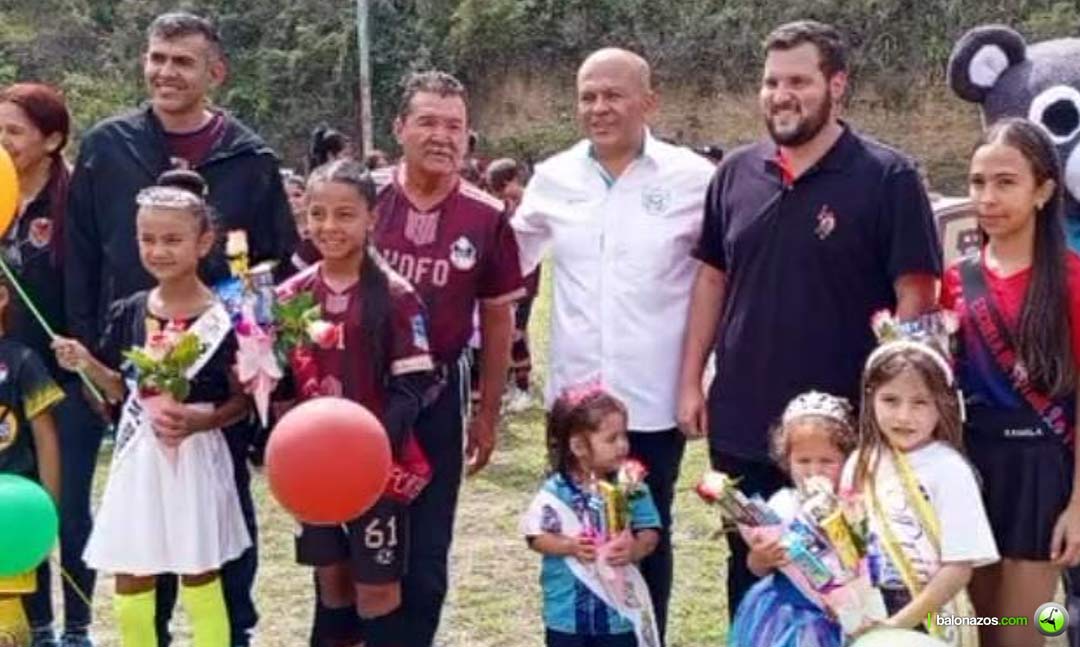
807 263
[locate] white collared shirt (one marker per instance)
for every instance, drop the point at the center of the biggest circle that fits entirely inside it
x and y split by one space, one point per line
622 270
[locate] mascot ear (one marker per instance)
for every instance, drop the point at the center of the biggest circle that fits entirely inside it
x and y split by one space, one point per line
980 57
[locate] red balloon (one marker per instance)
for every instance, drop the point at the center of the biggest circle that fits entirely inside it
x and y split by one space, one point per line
328 460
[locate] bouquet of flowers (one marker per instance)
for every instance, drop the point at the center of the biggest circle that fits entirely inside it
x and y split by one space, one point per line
607 520
161 370
162 364
609 502
825 542
300 327
270 334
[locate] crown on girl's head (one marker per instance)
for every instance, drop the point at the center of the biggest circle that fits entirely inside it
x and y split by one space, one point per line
928 333
167 197
816 403
575 394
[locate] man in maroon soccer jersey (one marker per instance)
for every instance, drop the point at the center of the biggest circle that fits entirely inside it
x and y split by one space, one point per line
451 241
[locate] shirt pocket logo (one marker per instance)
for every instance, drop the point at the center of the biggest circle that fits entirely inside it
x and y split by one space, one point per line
826 223
655 200
41 231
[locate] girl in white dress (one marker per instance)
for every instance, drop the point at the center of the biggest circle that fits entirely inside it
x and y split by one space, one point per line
170 504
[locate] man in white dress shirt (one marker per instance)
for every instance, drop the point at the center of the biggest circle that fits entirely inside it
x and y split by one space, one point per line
621 212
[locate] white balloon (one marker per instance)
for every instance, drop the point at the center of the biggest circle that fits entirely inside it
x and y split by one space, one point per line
897 638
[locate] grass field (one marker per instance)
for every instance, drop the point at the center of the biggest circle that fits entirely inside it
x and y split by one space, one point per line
494 598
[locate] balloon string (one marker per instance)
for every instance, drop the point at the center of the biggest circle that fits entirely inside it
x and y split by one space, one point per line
45 324
71 582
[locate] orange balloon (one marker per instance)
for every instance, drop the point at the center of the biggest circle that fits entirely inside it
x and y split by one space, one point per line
328 460
9 191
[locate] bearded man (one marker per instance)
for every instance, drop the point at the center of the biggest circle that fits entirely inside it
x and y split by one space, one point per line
806 235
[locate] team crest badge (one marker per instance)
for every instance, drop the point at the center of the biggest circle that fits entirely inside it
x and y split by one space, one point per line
463 254
655 200
9 430
420 228
826 223
41 232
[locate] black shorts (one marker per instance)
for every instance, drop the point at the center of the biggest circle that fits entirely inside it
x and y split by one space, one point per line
376 544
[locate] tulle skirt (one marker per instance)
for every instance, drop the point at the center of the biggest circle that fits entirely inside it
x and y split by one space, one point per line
775 614
168 510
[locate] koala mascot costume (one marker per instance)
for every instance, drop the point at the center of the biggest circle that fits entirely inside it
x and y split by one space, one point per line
995 68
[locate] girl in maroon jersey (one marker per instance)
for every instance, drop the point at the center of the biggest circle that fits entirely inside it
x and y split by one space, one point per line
378 357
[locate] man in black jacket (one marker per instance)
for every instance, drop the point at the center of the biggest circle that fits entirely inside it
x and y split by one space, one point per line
121 155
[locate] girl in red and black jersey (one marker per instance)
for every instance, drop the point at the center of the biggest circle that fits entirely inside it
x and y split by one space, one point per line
375 352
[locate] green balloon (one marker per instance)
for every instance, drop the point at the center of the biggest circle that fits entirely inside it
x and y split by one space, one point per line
28 525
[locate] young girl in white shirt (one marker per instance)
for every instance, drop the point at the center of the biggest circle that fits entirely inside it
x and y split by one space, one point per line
929 529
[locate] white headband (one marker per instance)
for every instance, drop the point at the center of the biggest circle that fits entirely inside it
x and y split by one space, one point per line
907 344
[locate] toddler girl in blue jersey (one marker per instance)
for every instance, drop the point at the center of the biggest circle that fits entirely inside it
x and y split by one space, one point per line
586 439
813 438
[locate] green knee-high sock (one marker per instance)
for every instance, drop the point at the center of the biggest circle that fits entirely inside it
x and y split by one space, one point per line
135 618
205 607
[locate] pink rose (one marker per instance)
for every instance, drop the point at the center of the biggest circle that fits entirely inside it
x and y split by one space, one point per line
880 320
158 346
631 473
326 335
712 486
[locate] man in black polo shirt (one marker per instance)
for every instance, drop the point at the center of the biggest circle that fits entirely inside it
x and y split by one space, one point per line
806 235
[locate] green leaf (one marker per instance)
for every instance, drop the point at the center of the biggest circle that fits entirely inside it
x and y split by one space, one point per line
186 351
143 362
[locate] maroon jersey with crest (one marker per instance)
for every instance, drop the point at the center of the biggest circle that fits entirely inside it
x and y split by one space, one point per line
455 254
342 371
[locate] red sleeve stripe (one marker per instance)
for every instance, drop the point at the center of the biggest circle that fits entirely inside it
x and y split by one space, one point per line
473 192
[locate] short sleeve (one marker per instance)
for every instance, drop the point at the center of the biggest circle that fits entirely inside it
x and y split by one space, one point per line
965 530
643 512
230 346
951 289
116 335
908 237
500 279
531 229
540 517
410 351
710 247
39 391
